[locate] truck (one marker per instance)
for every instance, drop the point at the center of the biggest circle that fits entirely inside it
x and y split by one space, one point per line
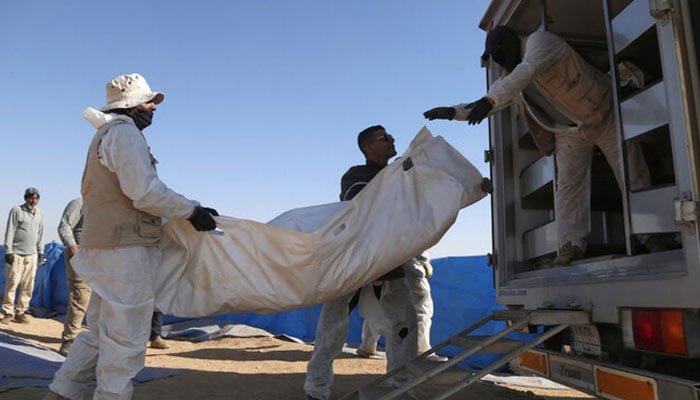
623 322
639 283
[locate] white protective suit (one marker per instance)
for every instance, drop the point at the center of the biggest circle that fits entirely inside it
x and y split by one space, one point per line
122 278
419 287
392 315
561 94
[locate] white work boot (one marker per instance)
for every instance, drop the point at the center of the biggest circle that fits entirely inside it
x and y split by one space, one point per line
366 354
436 358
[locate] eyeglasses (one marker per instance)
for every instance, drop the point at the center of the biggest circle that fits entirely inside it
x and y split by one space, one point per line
384 138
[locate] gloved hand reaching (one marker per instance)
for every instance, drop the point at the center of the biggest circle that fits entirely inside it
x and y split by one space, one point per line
9 259
211 211
440 113
40 259
479 110
202 219
487 185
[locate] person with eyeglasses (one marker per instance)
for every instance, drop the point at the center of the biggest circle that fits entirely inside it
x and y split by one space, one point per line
386 302
417 270
23 251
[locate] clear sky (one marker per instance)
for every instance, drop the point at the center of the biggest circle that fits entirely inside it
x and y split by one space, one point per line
264 99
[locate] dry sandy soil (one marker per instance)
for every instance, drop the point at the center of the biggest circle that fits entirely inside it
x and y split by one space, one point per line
252 368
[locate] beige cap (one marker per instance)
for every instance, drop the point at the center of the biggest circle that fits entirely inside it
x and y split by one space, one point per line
127 91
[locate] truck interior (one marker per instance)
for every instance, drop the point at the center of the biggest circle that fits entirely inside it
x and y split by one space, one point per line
637 220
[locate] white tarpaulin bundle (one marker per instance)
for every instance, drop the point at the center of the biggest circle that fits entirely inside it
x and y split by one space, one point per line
311 255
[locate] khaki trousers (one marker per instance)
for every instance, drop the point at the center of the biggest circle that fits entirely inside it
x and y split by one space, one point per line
573 155
20 274
78 299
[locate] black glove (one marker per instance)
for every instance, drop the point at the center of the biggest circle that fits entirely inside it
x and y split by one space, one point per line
9 259
211 211
440 113
41 259
202 219
479 111
487 185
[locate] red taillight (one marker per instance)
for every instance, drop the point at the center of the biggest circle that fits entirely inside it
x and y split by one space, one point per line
659 330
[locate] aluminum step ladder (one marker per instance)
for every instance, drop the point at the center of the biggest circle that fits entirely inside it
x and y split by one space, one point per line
435 381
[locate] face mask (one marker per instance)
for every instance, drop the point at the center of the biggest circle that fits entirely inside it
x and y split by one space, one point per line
142 117
508 55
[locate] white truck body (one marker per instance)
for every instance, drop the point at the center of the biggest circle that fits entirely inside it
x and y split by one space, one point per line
620 279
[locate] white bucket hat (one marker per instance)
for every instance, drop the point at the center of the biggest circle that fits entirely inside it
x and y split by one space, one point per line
127 91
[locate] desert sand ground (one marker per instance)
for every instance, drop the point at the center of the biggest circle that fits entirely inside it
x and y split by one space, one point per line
252 368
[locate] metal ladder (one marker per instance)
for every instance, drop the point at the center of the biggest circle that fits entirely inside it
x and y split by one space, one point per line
437 381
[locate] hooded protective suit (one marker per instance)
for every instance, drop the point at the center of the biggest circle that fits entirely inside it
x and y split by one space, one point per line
567 107
119 269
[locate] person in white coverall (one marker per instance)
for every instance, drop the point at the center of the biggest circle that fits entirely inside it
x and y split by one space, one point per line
386 302
567 107
123 202
69 230
417 271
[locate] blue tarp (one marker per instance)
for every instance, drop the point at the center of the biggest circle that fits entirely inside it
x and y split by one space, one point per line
50 288
25 364
462 291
